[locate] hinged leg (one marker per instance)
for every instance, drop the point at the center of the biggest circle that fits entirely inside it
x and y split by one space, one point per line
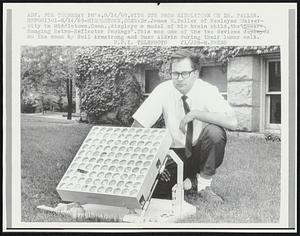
178 188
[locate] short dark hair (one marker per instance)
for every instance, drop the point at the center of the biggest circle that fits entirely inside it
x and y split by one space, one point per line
185 53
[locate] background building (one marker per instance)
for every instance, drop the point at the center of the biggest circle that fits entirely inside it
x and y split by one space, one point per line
250 82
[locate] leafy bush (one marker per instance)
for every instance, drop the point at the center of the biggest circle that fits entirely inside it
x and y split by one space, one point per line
107 82
38 103
160 123
65 107
29 105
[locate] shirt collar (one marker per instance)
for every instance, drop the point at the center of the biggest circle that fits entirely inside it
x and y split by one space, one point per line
190 93
177 94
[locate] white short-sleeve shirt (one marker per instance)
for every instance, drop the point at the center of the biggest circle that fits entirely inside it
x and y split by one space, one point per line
166 99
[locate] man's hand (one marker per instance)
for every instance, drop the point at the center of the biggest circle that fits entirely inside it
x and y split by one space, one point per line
224 120
165 176
186 119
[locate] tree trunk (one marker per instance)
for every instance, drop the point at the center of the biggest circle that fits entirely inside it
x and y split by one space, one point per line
77 101
60 104
69 95
43 111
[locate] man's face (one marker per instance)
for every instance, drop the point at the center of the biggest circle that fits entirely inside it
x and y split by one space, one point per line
185 81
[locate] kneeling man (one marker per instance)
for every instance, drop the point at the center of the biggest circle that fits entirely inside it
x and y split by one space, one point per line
195 114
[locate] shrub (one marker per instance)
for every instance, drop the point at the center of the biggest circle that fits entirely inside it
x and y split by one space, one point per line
29 105
110 92
65 107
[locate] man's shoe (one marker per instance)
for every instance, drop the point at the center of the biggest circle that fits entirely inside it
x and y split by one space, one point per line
208 195
190 184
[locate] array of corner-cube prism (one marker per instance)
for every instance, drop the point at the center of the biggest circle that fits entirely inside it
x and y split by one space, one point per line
115 166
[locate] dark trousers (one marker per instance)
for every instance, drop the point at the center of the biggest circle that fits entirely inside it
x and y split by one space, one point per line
207 156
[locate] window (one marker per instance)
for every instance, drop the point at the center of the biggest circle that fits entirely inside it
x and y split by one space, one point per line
151 80
273 95
217 76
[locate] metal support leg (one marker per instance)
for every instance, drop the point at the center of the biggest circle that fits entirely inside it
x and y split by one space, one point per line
179 188
153 188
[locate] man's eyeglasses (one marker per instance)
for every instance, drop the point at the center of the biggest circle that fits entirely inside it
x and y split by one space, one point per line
184 74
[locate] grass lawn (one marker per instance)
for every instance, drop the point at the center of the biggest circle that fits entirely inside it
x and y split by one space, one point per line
248 179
